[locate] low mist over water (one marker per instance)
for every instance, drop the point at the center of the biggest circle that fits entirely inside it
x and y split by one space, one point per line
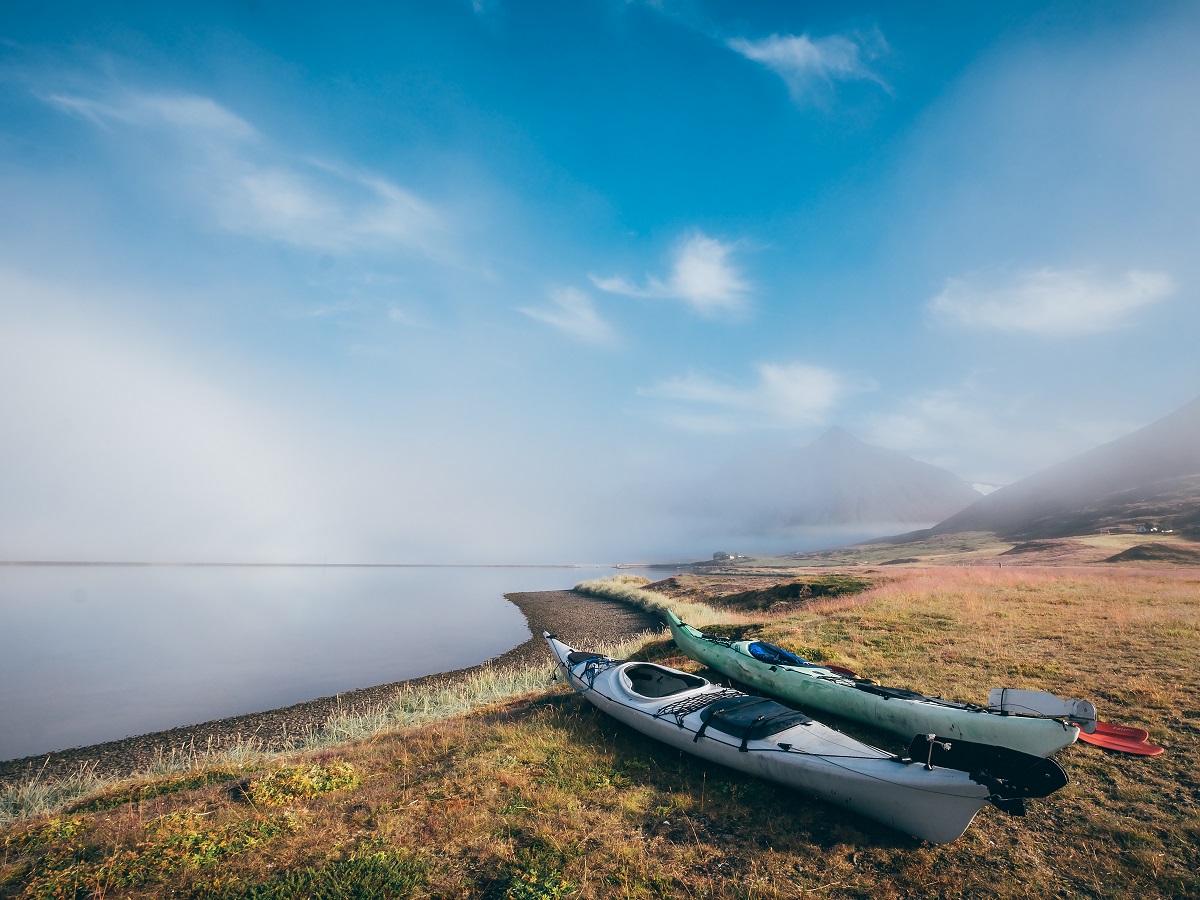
96 653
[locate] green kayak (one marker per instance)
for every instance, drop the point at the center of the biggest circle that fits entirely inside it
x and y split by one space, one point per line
1032 722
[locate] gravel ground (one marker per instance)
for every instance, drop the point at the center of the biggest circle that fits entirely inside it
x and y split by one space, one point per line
580 620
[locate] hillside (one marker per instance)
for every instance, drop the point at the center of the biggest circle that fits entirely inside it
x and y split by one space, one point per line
837 480
1155 552
1150 477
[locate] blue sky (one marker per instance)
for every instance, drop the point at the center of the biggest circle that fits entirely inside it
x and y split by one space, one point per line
502 281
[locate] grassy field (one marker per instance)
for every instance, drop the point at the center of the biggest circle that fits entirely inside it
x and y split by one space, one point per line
985 549
541 796
955 549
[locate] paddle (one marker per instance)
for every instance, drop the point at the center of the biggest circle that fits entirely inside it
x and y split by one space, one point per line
1121 738
1129 732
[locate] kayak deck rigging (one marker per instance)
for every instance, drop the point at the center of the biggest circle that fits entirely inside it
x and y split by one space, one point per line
688 705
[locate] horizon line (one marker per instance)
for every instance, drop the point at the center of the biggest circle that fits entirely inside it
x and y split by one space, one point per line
302 565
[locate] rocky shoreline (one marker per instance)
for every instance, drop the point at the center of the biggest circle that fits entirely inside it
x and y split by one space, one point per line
582 620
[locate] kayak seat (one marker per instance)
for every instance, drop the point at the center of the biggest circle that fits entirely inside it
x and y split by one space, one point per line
655 681
776 656
749 718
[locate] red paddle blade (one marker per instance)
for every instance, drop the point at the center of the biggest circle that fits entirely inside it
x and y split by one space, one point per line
1120 744
1128 732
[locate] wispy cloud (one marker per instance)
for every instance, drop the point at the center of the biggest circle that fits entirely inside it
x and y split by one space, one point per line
252 187
782 396
810 65
187 112
1051 303
703 276
572 312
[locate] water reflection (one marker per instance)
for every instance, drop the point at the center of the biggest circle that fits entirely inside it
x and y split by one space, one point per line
90 654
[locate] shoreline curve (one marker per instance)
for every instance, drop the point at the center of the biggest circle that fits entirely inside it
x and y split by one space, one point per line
582 619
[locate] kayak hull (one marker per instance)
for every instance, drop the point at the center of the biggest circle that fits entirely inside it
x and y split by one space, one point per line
815 687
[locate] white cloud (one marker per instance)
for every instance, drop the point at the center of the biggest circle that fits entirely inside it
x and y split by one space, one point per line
787 395
703 276
253 188
572 312
1050 303
810 64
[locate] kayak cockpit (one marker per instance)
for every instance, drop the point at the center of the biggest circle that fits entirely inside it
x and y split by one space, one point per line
773 655
649 680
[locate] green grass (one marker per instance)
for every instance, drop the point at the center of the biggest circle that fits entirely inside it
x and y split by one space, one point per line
143 790
958 547
289 784
367 873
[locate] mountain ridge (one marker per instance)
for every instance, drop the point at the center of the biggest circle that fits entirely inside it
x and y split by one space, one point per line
836 480
1151 473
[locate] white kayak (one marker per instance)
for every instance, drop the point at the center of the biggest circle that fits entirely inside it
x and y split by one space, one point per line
932 792
1033 722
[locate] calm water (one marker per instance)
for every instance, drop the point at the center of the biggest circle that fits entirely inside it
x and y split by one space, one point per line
91 654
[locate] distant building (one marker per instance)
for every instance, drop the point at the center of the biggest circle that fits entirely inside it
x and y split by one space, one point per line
721 554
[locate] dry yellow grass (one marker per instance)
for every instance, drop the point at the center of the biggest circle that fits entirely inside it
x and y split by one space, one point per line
632 589
1119 542
545 797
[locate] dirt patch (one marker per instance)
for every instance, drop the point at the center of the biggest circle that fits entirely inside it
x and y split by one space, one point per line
758 592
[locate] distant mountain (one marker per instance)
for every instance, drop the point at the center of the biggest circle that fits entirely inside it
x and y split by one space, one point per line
1149 476
837 480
